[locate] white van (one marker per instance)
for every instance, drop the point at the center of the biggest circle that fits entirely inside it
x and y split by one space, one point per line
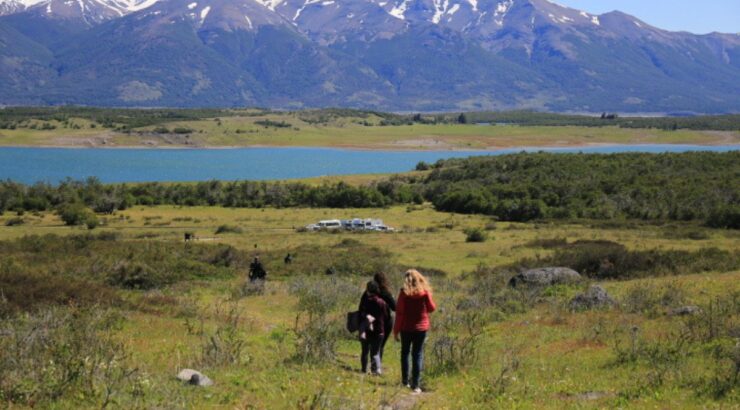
329 224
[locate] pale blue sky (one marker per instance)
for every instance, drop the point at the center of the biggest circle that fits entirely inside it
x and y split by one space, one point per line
696 16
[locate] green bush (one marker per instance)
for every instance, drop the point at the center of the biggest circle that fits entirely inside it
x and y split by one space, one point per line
15 221
475 235
76 214
228 229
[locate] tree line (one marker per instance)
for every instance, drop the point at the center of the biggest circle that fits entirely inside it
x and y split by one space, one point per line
124 119
701 186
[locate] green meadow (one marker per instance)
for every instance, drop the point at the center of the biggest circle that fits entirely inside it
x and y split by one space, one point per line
512 349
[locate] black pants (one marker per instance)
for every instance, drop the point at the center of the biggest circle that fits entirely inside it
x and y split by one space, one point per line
388 331
412 343
371 346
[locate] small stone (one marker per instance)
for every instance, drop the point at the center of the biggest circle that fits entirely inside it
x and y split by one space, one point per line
686 311
194 377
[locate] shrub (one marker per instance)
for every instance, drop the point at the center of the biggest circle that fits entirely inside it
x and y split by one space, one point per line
64 354
611 260
15 221
423 166
727 217
182 130
75 214
228 229
318 324
224 345
475 235
650 299
24 289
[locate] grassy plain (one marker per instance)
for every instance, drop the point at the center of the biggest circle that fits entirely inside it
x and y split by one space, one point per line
346 132
563 359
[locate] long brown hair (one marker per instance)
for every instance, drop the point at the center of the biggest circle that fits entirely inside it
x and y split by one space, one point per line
382 281
414 283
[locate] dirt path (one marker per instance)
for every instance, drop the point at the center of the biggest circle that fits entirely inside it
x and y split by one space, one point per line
405 401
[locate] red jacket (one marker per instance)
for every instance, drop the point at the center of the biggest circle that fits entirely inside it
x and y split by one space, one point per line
412 312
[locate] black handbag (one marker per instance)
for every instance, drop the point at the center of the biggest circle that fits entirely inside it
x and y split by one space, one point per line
353 321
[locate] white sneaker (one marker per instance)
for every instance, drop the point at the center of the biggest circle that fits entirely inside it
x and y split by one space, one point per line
416 391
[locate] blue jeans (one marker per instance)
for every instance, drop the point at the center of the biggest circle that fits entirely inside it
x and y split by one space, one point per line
372 347
413 343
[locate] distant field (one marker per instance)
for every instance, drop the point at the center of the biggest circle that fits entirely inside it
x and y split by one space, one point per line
244 129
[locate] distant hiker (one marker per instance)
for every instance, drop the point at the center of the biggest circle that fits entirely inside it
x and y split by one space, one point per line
373 311
414 305
387 296
288 259
256 270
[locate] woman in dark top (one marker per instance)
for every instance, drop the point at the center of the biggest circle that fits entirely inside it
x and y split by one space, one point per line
373 313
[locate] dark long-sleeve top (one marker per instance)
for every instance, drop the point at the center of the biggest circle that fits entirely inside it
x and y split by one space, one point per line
387 297
376 307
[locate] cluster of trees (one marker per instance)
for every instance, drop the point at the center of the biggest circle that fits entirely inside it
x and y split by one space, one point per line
521 187
107 198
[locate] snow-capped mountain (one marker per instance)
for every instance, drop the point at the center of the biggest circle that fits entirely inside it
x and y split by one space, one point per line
16 6
90 11
383 54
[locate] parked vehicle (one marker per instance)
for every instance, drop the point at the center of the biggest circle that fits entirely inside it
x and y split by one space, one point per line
329 225
355 224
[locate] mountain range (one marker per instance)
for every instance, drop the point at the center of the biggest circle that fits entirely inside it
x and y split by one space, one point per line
403 55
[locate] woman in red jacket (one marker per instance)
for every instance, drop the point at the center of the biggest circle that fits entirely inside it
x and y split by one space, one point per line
412 321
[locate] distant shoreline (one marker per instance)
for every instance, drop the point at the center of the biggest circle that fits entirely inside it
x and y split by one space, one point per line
379 149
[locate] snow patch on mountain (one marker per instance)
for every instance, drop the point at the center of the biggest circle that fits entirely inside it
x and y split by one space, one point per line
270 4
440 8
399 11
306 4
204 14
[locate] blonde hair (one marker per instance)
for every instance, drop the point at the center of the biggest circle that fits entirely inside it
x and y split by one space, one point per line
414 283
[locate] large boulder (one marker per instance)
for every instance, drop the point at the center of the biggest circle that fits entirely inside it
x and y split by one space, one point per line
194 377
545 277
594 297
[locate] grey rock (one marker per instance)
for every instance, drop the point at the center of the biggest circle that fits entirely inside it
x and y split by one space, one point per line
686 311
194 378
545 277
594 297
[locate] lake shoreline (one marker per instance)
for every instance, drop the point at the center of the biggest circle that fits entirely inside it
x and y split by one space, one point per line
587 145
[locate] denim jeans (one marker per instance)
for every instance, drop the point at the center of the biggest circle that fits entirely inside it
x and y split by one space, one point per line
371 346
412 343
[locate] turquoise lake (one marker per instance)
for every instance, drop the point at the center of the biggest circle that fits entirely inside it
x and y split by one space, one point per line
29 165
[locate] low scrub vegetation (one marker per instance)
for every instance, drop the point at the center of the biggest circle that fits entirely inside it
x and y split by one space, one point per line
611 260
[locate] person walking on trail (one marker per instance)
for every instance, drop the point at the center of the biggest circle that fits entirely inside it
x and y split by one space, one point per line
257 270
413 307
387 296
373 311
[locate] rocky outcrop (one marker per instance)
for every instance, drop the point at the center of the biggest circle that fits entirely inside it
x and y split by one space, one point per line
545 277
594 297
